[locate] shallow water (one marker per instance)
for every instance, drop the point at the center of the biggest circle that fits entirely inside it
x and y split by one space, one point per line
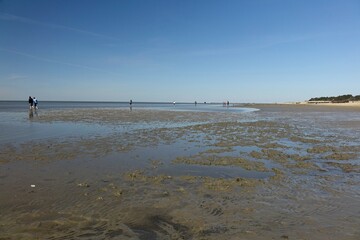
22 106
110 173
19 124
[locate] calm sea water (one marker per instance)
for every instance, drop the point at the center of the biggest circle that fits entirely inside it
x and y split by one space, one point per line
23 106
16 126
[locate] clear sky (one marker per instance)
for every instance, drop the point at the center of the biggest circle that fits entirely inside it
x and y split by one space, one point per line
185 50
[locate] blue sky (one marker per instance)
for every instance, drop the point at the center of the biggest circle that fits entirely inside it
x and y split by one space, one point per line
241 50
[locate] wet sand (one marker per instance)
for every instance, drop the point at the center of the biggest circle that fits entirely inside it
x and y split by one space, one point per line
284 172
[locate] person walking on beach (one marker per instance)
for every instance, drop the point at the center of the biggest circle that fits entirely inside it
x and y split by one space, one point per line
35 101
31 102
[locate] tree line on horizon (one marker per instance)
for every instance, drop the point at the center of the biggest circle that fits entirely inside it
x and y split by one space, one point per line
339 99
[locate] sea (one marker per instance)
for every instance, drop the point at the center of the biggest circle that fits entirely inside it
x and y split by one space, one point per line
23 106
18 123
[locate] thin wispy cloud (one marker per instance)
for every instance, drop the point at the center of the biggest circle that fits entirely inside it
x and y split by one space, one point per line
56 61
15 18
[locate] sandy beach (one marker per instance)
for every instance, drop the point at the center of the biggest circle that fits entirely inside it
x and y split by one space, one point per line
355 104
349 104
286 171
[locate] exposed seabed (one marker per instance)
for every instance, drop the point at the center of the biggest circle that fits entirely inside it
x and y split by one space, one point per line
277 173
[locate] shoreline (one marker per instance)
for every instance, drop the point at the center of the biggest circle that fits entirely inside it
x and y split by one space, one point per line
304 106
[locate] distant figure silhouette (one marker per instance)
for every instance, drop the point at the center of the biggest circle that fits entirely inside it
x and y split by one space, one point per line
31 102
35 102
130 102
195 103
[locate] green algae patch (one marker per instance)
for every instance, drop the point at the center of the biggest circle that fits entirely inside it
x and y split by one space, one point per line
322 149
304 140
218 150
66 149
304 165
346 167
273 145
140 175
337 152
341 156
215 160
219 184
278 174
277 156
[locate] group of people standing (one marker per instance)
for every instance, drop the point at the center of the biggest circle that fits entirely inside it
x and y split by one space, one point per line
226 104
33 103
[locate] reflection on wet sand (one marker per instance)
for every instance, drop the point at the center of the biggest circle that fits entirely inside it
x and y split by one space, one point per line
272 174
32 111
